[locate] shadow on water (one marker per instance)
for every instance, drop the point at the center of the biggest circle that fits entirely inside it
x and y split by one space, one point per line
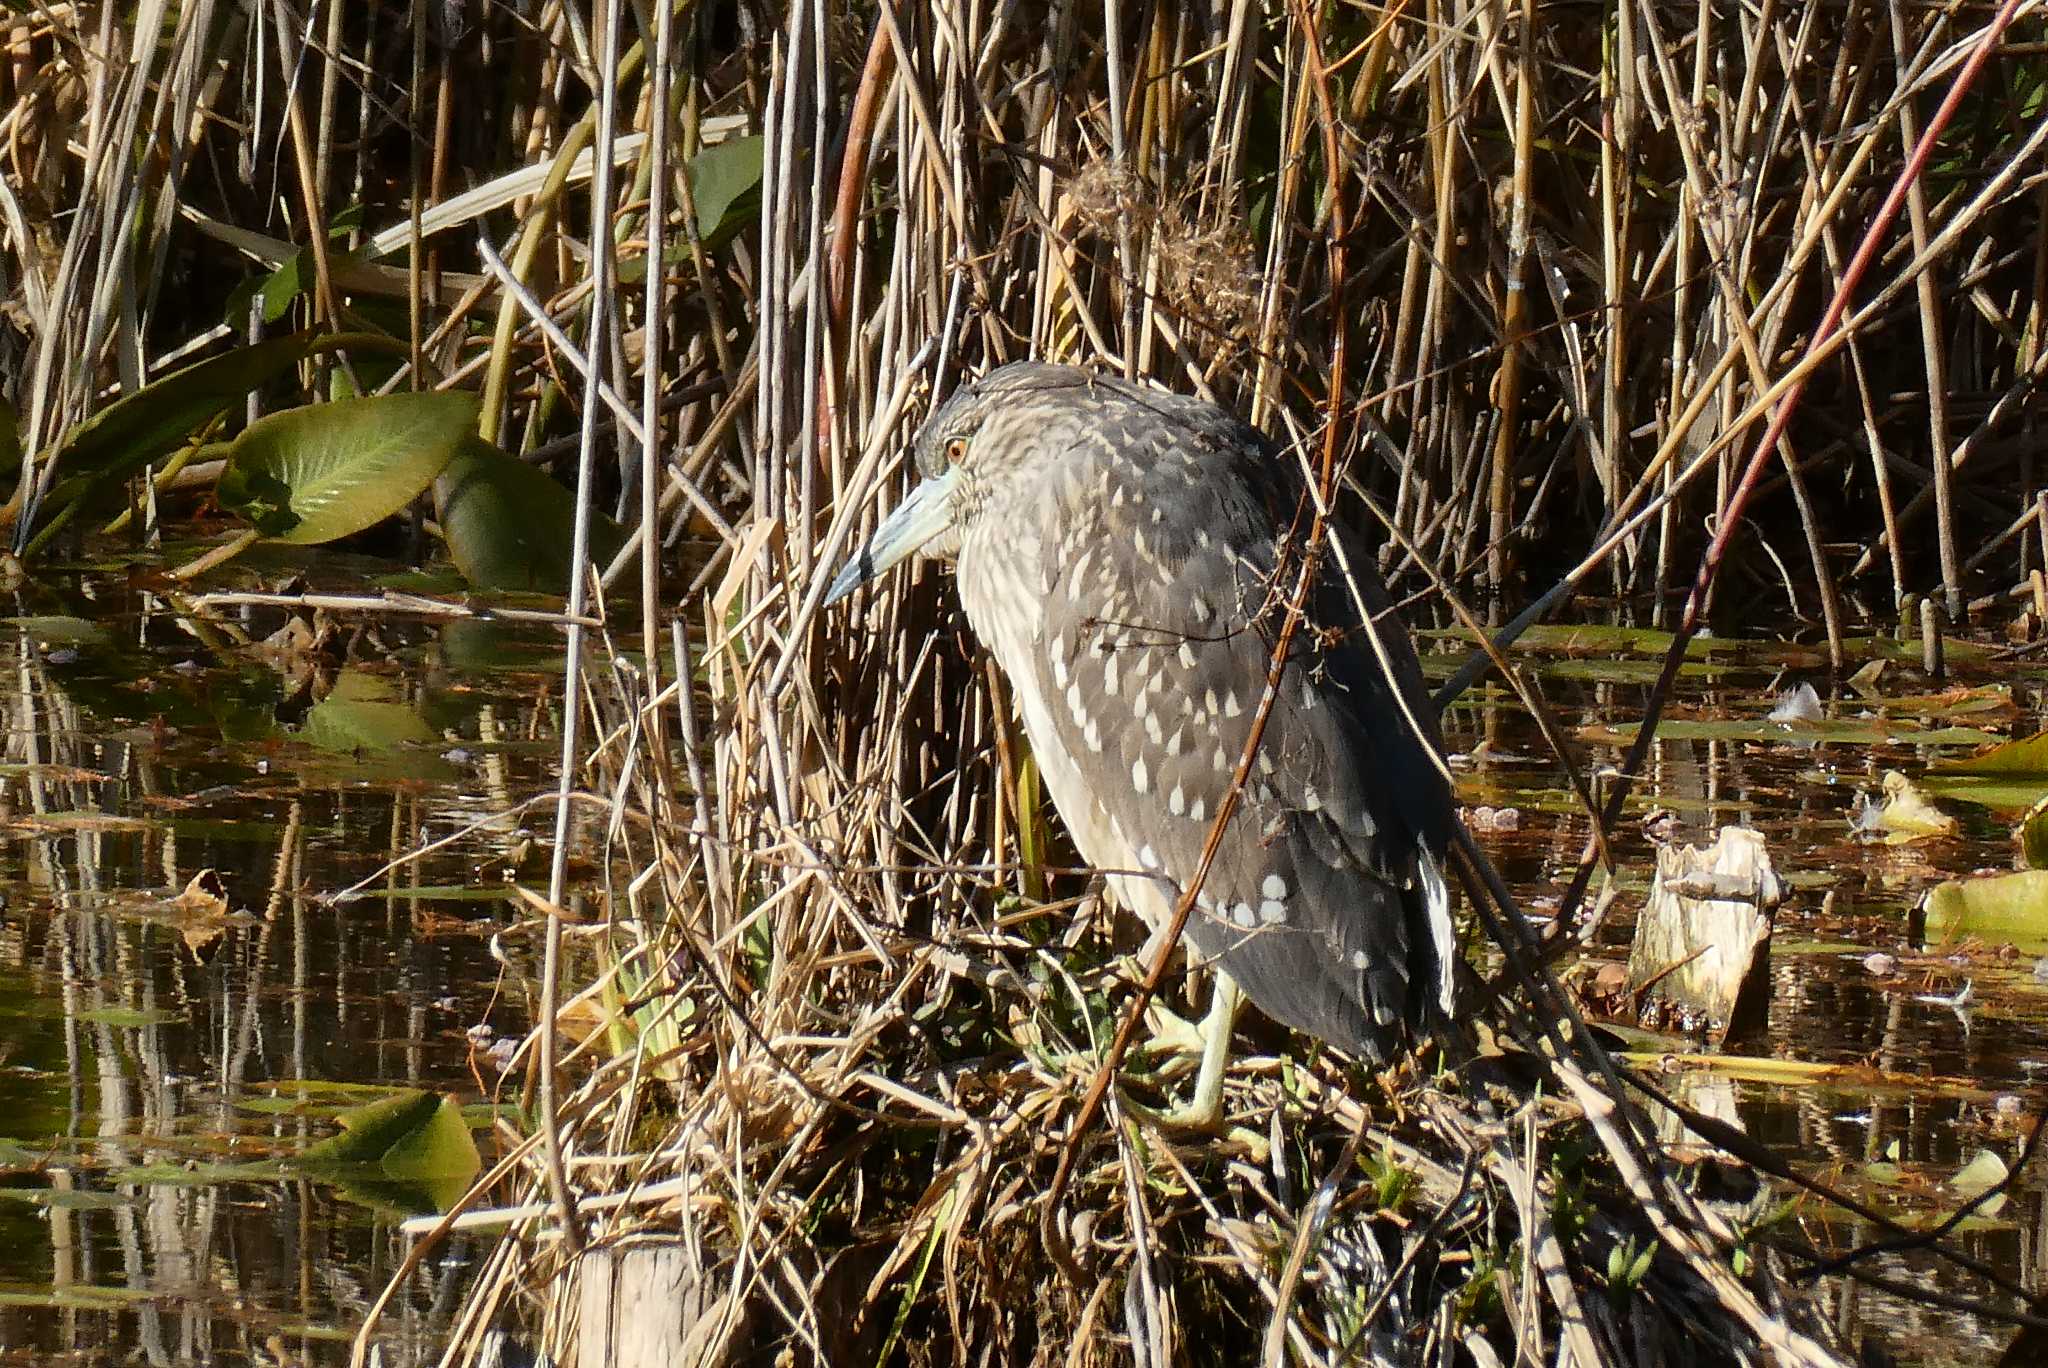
169 1048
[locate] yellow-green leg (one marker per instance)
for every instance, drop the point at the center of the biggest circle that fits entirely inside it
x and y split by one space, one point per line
1204 1111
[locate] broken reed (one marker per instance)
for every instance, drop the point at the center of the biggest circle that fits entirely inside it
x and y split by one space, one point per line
1582 243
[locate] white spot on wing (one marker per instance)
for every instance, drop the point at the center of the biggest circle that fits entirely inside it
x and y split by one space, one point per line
1272 911
1140 778
1274 886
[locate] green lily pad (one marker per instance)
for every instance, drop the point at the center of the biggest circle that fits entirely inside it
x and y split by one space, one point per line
2033 835
363 712
2009 777
69 1199
129 1017
412 1143
57 629
2001 907
1846 731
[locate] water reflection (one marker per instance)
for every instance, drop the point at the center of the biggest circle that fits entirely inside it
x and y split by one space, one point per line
151 1042
155 1045
1947 1042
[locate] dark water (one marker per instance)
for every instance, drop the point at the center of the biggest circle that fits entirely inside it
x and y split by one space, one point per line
145 1044
1922 1087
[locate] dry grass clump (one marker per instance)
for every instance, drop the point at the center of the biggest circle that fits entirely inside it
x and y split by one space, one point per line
1546 269
1205 273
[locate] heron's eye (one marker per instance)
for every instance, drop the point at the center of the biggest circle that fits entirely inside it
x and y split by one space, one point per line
956 451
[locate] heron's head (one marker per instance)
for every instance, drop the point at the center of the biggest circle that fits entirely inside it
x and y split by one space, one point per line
996 433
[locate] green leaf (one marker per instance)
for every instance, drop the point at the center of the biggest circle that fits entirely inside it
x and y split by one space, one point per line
511 527
2033 835
412 1134
1984 1171
1866 732
2028 757
128 1017
361 713
312 474
2002 907
413 1143
722 180
148 425
2009 777
69 1199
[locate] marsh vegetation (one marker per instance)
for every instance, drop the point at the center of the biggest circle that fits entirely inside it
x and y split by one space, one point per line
435 426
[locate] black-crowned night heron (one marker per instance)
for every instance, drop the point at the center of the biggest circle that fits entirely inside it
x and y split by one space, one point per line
1124 553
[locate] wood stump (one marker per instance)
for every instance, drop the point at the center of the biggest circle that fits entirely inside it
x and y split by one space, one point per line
1702 950
644 1303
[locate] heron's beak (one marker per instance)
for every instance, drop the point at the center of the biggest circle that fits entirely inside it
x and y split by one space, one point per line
926 513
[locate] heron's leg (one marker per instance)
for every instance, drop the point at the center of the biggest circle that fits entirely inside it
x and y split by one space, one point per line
1204 1111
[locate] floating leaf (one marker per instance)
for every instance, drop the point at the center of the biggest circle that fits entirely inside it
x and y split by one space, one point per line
58 630
413 1142
2002 907
1993 698
312 474
2009 777
511 527
2033 835
127 1018
1861 731
1903 815
1982 1173
361 713
69 1199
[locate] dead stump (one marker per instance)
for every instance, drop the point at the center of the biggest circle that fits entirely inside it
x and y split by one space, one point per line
1702 949
644 1303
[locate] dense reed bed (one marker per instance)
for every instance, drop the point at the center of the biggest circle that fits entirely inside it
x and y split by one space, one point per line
1537 274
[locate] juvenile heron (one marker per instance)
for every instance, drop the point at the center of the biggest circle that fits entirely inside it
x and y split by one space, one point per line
1128 555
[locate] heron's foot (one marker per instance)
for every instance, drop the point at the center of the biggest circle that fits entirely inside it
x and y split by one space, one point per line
1211 1042
1199 1114
1172 1033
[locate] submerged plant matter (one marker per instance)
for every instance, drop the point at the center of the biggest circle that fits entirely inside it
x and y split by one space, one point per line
1528 286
